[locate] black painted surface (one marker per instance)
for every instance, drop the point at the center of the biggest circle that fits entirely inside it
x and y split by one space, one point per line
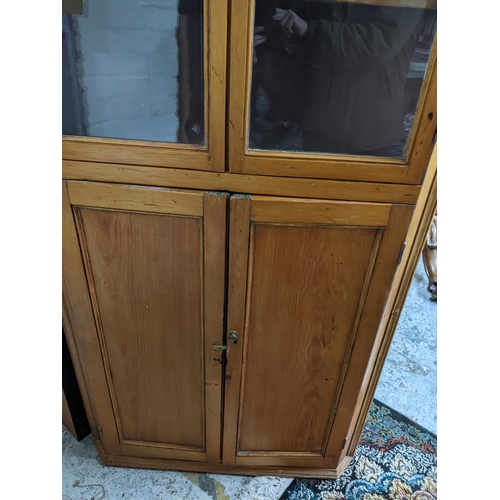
73 394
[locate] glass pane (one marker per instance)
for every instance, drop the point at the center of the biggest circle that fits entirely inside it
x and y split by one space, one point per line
336 77
134 70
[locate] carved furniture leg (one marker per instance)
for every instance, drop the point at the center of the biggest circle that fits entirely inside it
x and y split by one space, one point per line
429 256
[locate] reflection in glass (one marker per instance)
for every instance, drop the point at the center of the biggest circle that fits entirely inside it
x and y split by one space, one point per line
336 77
134 70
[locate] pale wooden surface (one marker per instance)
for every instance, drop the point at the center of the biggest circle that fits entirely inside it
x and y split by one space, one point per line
161 154
379 288
82 335
299 291
214 276
421 150
216 13
239 238
271 209
369 232
323 166
415 239
147 305
239 81
186 466
258 184
157 312
136 198
305 285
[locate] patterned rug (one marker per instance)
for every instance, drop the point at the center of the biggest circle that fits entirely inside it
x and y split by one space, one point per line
396 459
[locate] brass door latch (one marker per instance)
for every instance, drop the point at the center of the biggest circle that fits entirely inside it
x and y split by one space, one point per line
233 337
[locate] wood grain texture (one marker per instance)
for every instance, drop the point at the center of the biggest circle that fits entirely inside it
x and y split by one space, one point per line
306 283
323 166
216 13
300 291
259 185
82 335
183 465
270 209
421 150
415 239
159 154
239 81
147 449
380 285
146 271
156 286
239 225
424 90
136 198
214 276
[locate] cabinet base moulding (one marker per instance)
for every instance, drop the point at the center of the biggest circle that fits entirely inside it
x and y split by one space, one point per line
217 468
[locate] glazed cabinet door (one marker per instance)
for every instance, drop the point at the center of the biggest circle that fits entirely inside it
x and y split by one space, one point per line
144 83
308 280
144 274
333 90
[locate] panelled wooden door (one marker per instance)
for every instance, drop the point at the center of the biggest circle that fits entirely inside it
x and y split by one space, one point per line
308 280
144 272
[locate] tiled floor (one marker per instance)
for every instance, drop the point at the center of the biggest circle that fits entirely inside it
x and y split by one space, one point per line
407 384
408 380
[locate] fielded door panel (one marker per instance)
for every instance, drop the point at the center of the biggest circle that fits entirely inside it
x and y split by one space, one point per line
308 280
144 278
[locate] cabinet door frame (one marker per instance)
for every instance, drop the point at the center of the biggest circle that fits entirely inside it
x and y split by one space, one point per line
86 341
392 223
242 160
209 157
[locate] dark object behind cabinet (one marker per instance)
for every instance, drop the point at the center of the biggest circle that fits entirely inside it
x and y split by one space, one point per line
74 416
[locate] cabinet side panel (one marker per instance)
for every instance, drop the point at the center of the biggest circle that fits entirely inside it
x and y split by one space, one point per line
305 288
145 271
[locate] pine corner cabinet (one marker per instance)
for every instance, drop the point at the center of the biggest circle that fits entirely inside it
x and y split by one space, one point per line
247 187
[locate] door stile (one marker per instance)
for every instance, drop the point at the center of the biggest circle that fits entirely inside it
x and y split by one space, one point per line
239 234
86 340
214 277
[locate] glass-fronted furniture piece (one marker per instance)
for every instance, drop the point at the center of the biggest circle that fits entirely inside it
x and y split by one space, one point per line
247 186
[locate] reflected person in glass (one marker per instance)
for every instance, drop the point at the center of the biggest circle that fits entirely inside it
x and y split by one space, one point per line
330 77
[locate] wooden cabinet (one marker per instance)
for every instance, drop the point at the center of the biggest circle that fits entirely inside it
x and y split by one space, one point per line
228 307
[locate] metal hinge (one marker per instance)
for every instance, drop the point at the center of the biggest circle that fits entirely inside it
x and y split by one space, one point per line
344 443
100 429
403 246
